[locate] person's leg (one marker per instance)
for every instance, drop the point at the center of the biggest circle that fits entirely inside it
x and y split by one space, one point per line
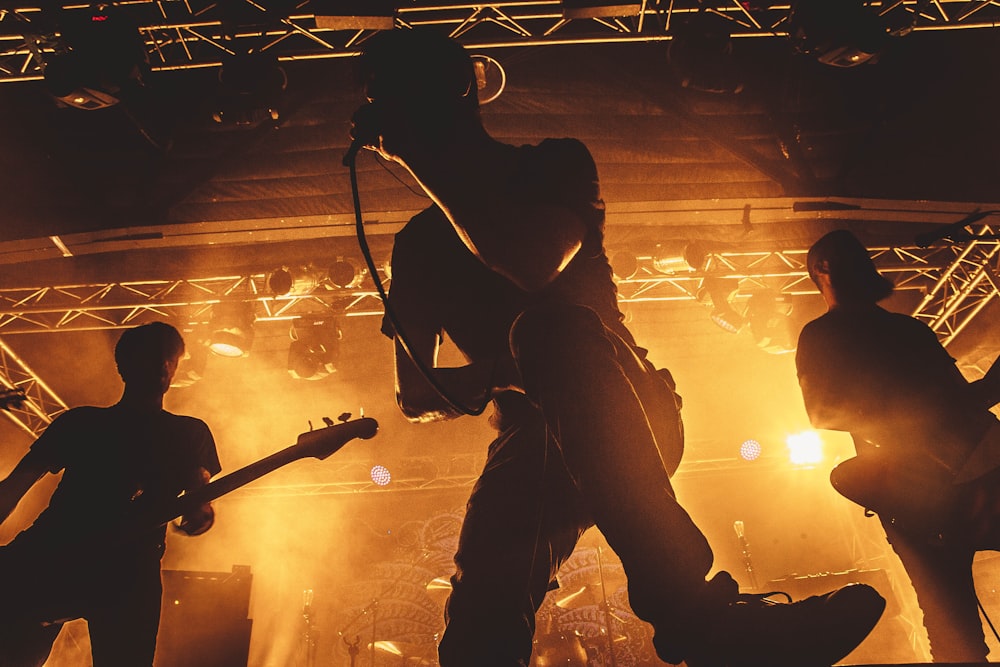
579 374
31 606
27 646
590 387
124 621
942 578
522 521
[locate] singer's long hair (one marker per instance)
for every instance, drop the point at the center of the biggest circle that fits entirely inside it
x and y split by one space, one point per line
853 276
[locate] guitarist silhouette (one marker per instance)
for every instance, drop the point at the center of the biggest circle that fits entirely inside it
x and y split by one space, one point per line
928 447
111 458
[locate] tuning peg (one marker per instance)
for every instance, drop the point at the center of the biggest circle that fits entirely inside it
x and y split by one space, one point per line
327 421
344 416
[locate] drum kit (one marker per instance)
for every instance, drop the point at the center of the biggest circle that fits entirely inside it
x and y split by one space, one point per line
581 625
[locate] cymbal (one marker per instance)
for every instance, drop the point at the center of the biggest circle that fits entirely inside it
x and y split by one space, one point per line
585 596
439 584
438 589
426 650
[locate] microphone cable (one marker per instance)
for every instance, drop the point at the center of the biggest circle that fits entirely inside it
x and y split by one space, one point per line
351 161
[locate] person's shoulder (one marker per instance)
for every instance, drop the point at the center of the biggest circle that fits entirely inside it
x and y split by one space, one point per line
425 221
80 413
567 150
187 422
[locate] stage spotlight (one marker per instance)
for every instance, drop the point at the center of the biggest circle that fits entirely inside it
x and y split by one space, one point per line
315 349
293 280
100 54
840 33
380 475
669 261
768 316
750 450
805 448
719 294
251 86
344 273
624 264
701 54
232 329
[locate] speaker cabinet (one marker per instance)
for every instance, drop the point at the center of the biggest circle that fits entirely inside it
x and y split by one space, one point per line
204 620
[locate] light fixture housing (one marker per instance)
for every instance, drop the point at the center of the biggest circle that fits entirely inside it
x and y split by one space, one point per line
314 351
232 330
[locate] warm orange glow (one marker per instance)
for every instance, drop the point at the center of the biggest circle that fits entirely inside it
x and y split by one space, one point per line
804 448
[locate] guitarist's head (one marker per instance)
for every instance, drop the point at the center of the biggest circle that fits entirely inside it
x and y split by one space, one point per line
844 272
147 357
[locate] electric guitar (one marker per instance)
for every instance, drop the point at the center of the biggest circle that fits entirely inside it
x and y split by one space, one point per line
318 444
19 568
924 501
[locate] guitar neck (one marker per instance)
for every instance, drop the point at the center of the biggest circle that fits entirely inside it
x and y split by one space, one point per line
316 444
227 483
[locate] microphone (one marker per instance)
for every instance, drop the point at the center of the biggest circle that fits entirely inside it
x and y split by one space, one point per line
954 232
364 131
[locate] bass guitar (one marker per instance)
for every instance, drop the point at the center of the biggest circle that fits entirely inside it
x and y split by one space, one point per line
34 575
318 444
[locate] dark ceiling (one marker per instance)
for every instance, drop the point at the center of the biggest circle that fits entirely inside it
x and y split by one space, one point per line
917 125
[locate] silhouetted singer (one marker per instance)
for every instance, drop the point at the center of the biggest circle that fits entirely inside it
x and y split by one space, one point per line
509 263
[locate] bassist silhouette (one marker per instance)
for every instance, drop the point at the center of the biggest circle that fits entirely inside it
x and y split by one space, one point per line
111 458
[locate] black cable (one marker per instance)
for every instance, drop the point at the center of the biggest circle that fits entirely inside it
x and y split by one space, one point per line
986 616
399 333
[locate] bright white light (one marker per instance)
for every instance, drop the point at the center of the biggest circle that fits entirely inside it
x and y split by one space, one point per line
750 450
380 475
805 448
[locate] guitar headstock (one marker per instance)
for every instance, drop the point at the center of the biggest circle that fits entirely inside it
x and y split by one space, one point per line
12 398
321 443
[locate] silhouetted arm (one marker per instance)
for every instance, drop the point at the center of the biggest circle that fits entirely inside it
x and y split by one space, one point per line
24 475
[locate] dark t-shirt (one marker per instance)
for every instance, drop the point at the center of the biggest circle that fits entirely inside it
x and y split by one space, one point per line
108 457
885 377
439 286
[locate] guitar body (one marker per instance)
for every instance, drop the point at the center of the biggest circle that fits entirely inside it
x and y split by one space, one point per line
923 501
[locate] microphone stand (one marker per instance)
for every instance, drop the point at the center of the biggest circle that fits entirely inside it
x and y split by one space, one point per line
955 232
352 647
745 547
309 636
607 611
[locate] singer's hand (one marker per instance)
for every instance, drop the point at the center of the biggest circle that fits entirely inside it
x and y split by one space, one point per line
364 130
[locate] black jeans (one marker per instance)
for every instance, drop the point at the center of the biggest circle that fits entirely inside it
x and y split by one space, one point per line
581 447
942 578
120 603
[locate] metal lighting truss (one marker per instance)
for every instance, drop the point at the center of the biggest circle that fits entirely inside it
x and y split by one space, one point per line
958 280
187 34
965 286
